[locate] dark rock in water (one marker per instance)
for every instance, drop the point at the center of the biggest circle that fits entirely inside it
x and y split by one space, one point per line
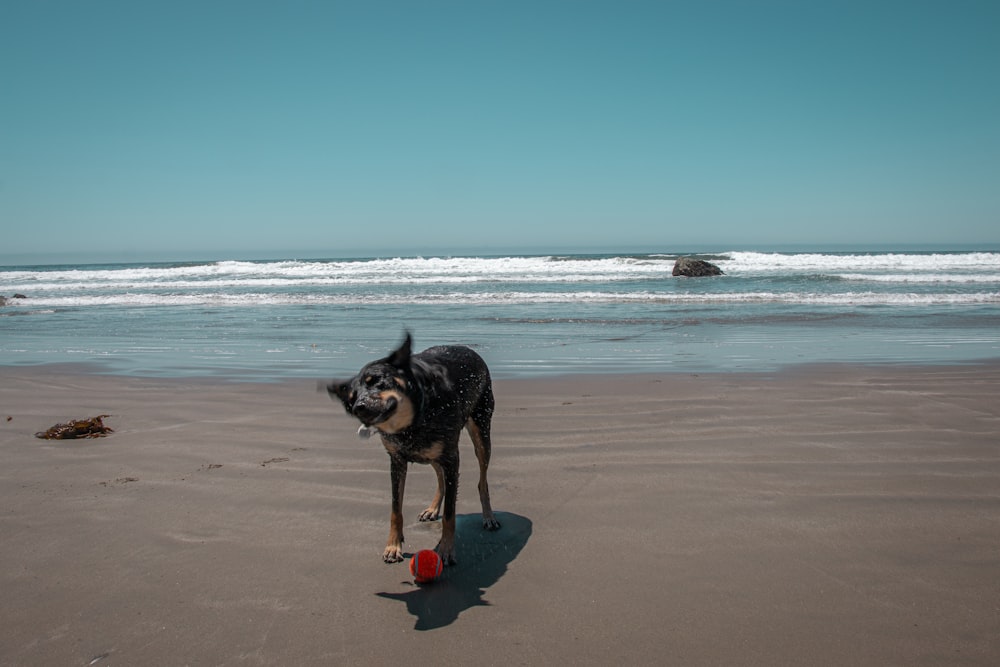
19 296
3 301
695 268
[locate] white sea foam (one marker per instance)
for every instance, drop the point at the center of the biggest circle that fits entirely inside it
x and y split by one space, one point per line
580 298
397 270
924 278
757 262
752 278
979 267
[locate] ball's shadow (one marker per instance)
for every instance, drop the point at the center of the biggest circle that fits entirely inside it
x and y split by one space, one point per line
482 556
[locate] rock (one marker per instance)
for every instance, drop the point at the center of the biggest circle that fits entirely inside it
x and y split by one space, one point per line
19 296
695 268
3 301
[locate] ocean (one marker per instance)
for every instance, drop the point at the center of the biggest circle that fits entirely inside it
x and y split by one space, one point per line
528 315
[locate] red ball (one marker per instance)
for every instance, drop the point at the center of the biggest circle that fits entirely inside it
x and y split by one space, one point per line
425 566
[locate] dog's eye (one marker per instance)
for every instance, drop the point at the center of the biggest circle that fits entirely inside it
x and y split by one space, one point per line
369 381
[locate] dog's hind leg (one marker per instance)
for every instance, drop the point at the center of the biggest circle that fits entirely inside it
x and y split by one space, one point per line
478 428
433 511
449 469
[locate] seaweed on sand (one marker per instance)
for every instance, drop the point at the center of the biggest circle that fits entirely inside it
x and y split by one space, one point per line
77 428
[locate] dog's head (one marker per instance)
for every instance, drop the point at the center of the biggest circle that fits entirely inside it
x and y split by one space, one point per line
383 393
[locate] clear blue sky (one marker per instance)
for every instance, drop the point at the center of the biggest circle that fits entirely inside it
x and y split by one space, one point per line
326 127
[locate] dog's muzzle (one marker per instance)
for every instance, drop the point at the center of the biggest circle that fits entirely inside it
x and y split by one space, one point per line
372 413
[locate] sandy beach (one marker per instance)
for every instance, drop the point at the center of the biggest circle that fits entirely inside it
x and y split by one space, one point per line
823 515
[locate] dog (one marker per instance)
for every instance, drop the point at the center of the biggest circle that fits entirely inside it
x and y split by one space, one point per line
419 404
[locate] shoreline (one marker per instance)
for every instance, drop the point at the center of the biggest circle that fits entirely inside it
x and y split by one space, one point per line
824 514
251 376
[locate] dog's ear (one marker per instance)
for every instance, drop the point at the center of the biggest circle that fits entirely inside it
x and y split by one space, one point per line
400 358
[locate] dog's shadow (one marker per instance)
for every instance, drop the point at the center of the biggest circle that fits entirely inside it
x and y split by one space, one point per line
483 558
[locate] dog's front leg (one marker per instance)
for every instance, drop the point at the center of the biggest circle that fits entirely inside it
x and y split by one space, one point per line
394 547
446 547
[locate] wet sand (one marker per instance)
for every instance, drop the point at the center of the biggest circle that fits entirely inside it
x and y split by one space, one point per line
824 515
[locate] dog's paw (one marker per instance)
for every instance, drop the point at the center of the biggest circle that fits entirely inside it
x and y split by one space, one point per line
490 523
429 514
392 554
447 554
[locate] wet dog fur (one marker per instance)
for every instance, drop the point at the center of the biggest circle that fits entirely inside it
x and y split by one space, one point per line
419 404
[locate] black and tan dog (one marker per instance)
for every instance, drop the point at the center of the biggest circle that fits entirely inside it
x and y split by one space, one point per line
419 404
